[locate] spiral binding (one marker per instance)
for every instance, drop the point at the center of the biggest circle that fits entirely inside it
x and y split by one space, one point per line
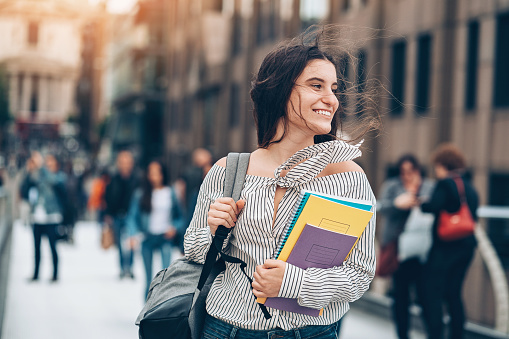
304 196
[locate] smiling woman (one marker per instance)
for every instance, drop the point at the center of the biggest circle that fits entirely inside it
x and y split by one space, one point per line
298 116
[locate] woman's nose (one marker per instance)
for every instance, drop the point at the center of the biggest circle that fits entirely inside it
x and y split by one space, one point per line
330 99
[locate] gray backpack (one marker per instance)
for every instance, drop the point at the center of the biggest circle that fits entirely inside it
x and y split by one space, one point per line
175 305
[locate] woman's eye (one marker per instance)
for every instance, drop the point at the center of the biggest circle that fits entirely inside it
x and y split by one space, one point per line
317 86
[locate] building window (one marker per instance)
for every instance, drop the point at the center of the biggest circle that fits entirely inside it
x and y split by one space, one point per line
343 82
472 60
33 33
498 229
234 105
361 79
313 12
423 73
501 88
187 119
174 116
398 77
346 5
238 32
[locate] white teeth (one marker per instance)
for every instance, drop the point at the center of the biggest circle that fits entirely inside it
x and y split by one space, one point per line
327 113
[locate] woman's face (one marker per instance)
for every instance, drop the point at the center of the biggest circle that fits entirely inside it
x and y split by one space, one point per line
51 163
408 173
155 175
440 171
313 102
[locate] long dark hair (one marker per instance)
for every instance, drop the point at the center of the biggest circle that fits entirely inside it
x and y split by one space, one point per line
146 195
273 85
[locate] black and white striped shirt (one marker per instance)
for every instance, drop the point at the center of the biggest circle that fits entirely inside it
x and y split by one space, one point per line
253 239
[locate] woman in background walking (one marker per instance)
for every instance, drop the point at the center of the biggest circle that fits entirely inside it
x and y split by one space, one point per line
398 197
448 261
154 218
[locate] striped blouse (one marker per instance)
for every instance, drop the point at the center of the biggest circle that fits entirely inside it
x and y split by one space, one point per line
254 239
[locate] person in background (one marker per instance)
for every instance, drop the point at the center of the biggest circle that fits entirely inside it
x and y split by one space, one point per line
96 202
448 261
298 117
118 196
155 216
191 181
398 196
44 189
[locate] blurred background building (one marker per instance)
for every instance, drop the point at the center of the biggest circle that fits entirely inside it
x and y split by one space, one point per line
173 75
51 60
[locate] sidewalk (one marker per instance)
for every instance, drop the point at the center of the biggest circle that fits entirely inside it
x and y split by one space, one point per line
89 301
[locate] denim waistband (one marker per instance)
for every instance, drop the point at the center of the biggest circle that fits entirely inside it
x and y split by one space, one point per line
215 328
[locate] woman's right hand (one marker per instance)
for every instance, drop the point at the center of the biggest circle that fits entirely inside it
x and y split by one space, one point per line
224 211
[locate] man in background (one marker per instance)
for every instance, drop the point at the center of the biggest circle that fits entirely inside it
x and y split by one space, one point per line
118 198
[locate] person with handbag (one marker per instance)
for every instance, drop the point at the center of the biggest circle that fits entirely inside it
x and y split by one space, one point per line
398 196
154 218
298 117
448 260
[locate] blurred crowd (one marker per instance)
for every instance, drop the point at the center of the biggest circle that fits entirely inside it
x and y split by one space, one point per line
138 209
141 213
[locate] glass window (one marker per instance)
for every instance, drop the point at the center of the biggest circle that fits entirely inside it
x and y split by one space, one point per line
33 33
472 61
234 105
398 77
423 73
501 88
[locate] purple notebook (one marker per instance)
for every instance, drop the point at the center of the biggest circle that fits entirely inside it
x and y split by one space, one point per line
316 247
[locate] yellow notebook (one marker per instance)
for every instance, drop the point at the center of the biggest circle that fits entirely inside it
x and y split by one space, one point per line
329 215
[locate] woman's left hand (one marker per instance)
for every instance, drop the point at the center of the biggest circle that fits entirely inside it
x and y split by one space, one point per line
268 278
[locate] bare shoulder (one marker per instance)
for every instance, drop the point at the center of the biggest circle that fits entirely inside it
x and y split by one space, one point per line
221 162
341 167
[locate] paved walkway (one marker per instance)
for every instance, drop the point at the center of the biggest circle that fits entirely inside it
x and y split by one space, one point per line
89 301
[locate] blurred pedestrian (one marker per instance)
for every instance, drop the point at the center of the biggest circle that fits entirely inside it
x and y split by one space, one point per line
448 261
96 201
154 218
44 188
398 196
297 115
118 197
193 178
190 183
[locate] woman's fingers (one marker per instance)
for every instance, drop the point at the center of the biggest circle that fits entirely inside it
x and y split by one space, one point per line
224 211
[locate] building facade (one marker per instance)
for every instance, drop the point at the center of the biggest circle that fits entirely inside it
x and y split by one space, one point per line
42 56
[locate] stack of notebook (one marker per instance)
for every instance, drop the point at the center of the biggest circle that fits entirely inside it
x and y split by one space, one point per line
321 233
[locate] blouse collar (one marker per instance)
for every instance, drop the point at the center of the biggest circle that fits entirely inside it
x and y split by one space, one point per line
312 160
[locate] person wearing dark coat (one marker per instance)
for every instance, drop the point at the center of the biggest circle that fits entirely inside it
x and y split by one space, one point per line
118 197
448 261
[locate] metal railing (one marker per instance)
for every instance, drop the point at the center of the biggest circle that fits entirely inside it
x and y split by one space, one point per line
5 217
495 268
5 235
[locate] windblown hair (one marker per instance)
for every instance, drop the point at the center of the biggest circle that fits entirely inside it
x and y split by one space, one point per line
272 87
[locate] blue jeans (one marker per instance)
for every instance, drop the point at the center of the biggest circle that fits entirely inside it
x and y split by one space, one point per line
218 329
148 246
126 255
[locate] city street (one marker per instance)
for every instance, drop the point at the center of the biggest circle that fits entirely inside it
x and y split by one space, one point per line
89 300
